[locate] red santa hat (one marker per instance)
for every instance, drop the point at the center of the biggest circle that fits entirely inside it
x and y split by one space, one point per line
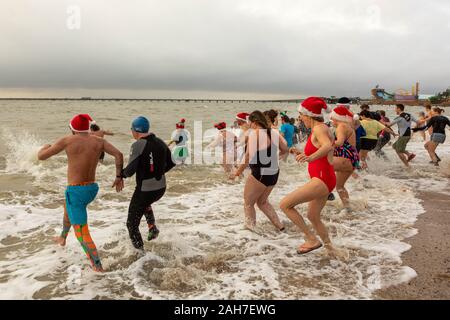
220 126
243 116
180 125
342 114
313 107
81 123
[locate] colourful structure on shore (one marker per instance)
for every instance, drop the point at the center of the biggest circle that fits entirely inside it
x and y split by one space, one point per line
400 95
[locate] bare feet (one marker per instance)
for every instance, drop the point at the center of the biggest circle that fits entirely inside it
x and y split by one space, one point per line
249 226
98 269
60 240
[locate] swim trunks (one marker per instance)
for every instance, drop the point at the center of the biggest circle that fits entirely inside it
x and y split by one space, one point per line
438 138
77 199
400 144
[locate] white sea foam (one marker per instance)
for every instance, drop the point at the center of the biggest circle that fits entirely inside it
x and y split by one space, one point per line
203 250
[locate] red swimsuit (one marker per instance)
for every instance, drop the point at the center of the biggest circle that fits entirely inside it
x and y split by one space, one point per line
320 168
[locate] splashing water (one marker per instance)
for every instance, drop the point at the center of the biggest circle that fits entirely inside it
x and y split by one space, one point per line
203 250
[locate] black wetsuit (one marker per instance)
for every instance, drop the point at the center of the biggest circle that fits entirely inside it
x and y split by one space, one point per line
150 159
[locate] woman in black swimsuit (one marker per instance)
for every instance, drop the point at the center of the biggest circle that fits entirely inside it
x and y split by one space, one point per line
262 157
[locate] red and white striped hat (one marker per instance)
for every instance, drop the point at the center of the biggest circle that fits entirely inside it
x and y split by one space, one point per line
313 107
81 123
341 113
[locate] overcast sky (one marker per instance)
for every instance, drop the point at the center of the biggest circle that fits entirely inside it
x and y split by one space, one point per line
235 48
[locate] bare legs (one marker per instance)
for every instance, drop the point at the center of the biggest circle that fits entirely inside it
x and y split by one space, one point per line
61 240
363 156
257 193
403 157
344 170
431 147
83 236
265 206
316 193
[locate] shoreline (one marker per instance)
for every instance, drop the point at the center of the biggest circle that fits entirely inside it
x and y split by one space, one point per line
429 255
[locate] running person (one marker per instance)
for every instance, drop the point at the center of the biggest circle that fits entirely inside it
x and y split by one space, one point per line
262 157
150 159
370 140
437 122
287 131
318 153
83 152
180 138
428 115
244 126
346 157
227 143
384 136
403 122
422 119
96 131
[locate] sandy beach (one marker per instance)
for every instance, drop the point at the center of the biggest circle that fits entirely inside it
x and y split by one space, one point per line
429 255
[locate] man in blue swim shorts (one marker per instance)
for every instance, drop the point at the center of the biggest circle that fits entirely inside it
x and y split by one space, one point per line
83 152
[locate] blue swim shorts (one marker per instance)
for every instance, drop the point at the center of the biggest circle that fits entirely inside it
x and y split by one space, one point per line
77 200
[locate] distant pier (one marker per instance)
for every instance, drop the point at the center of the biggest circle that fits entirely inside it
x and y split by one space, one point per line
333 100
160 100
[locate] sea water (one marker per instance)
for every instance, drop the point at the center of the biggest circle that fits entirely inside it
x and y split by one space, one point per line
203 251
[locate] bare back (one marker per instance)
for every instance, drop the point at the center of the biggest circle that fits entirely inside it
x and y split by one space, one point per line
83 153
350 134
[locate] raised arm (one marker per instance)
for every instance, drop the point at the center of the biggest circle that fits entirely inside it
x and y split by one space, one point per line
108 133
49 150
427 125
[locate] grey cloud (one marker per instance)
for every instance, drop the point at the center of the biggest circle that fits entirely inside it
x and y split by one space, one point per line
286 47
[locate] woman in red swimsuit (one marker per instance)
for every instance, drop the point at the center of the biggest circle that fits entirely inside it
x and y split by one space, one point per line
318 154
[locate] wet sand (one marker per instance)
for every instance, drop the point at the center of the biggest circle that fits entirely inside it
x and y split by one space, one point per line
429 255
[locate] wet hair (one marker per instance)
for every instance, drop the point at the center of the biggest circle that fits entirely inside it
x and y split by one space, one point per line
286 119
95 127
365 114
421 114
400 106
271 115
428 106
259 118
382 112
365 107
438 110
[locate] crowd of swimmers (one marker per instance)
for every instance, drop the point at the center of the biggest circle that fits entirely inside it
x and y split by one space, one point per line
333 152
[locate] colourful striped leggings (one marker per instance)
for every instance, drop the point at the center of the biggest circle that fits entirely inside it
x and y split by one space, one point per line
84 237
